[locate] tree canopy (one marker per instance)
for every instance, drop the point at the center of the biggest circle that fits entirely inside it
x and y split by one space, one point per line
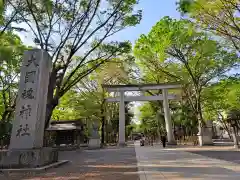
200 51
177 51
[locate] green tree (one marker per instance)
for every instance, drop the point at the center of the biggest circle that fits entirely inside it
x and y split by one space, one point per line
152 121
76 34
222 98
9 17
184 54
87 100
11 51
218 16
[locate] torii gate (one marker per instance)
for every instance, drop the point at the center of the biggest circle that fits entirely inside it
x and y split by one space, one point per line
164 96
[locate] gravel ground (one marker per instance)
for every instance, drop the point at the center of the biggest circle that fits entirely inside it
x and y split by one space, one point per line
104 164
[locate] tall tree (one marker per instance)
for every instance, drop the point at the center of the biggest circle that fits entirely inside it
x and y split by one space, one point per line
220 99
218 16
87 100
11 51
184 54
9 17
152 123
76 27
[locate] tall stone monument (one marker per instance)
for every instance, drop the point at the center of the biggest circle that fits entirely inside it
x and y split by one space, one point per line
26 145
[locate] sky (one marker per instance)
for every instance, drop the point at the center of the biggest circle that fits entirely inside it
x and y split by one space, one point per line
153 11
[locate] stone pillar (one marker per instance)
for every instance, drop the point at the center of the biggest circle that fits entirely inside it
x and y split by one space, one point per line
121 136
94 140
78 139
167 117
26 145
28 126
205 135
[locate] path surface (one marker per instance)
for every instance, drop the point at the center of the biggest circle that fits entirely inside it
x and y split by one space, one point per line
148 163
104 164
156 163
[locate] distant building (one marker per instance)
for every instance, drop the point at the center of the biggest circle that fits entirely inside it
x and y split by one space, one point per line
67 132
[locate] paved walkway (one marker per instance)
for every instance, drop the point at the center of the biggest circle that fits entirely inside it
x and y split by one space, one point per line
143 163
156 163
104 164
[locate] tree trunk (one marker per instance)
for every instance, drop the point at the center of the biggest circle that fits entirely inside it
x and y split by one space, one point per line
235 138
103 124
227 129
51 101
200 128
225 125
49 112
200 120
200 133
103 131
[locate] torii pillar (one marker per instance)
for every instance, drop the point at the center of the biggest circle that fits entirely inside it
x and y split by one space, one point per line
167 117
121 134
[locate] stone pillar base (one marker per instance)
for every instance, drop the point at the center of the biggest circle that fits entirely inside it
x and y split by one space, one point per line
122 144
27 158
94 143
205 134
171 143
236 146
205 140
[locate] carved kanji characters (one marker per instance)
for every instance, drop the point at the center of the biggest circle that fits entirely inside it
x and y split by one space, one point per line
23 131
19 131
33 60
28 94
25 112
30 76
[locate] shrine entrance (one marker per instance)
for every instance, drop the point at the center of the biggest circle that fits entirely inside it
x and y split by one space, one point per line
122 98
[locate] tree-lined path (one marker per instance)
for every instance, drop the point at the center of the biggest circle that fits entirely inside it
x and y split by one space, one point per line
63 61
143 163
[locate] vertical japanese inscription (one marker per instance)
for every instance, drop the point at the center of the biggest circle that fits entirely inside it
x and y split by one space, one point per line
27 94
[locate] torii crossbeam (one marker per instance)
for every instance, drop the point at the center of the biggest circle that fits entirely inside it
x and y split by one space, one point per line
133 87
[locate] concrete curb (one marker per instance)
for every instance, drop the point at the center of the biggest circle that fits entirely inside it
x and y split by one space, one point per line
53 165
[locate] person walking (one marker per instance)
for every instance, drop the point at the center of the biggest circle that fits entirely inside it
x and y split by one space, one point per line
142 140
164 139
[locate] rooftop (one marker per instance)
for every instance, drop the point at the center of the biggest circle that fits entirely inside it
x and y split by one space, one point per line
141 87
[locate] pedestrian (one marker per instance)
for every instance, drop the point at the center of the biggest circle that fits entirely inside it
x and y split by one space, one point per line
142 140
164 139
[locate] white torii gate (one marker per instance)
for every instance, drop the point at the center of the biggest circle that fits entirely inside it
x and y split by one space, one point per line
122 99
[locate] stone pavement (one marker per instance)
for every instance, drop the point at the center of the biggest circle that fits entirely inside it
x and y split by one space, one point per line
113 163
173 164
104 164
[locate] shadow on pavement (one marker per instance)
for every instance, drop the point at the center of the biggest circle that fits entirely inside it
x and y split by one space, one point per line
103 164
173 173
173 164
231 156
